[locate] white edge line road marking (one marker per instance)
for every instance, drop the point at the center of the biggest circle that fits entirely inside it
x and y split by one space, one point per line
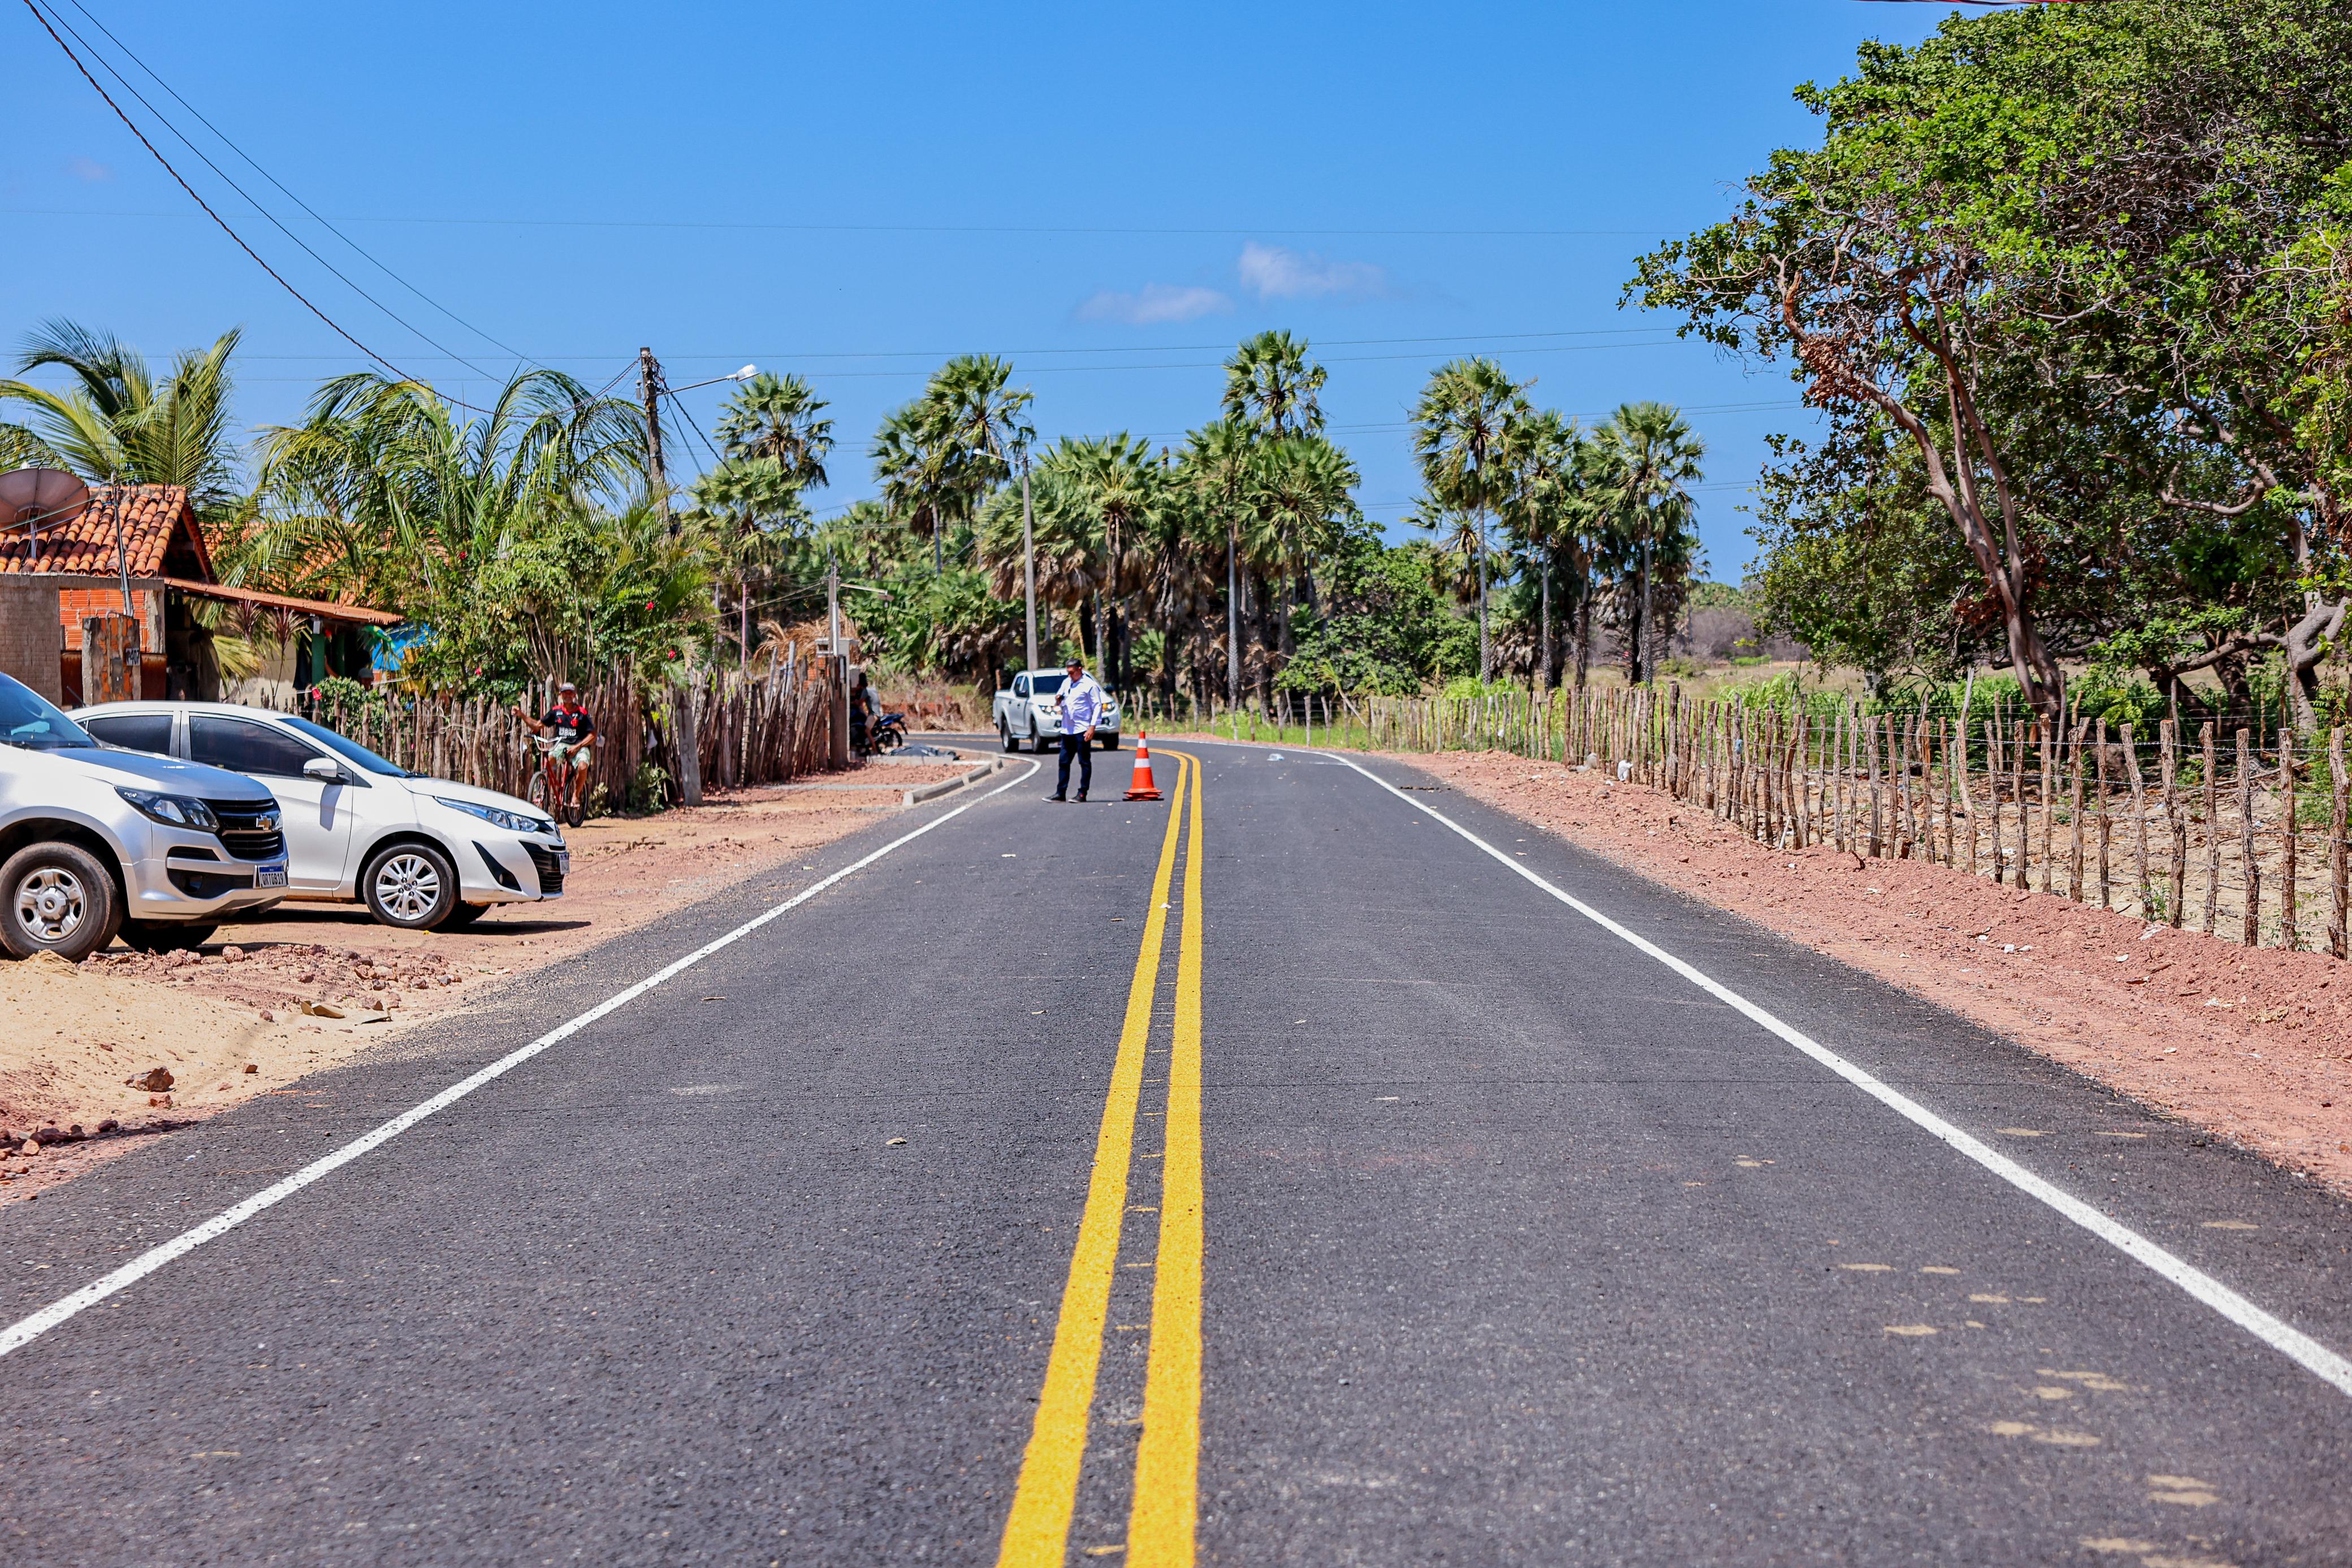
24 1330
2280 1335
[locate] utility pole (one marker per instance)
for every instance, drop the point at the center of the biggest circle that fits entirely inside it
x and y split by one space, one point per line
1029 560
649 393
832 604
1232 618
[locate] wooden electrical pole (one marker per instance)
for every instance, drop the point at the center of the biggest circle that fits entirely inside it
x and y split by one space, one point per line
649 393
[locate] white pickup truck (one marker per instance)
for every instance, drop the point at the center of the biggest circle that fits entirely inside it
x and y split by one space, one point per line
1026 711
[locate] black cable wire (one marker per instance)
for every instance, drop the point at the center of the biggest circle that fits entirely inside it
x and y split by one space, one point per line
165 121
333 325
289 195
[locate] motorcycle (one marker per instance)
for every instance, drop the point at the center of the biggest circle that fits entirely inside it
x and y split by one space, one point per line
886 733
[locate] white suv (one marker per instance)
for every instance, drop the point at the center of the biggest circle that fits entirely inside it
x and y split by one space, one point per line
1026 711
422 853
94 841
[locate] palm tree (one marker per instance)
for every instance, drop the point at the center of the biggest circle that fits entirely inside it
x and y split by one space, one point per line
1115 480
116 424
1539 460
1460 425
780 418
979 420
941 454
1217 468
1658 457
1301 494
383 490
1271 386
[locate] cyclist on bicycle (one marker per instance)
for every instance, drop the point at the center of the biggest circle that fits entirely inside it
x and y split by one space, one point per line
572 731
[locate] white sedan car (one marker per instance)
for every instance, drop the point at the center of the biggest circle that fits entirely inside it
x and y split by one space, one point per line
420 853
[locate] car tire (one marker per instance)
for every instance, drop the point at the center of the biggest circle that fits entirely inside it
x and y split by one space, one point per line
56 898
1004 734
1110 742
166 935
409 886
463 916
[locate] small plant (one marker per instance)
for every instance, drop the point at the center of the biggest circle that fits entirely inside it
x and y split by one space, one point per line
648 791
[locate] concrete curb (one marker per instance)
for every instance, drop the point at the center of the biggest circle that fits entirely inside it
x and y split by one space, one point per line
916 796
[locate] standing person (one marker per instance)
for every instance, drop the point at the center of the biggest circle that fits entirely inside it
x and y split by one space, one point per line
572 728
1081 708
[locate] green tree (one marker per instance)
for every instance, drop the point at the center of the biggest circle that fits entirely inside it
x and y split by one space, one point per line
1460 426
1658 459
116 424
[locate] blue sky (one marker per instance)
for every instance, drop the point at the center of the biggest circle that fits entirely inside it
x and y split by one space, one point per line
1112 195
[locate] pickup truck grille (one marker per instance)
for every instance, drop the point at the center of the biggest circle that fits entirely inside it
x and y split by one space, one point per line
551 876
242 833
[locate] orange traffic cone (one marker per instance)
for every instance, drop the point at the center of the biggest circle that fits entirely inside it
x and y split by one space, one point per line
1141 787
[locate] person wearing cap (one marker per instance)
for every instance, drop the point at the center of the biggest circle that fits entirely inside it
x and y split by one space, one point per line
1081 708
572 726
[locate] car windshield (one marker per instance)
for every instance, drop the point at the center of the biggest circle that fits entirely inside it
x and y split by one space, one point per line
1047 685
350 751
28 720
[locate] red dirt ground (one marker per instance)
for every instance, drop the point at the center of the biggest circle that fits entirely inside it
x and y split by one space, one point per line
2251 1043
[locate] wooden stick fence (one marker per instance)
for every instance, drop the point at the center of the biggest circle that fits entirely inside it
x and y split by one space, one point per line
2238 833
749 730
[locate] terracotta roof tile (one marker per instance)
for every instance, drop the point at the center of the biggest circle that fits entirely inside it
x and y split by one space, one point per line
159 528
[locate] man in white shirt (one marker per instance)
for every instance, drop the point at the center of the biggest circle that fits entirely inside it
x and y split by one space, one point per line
1081 708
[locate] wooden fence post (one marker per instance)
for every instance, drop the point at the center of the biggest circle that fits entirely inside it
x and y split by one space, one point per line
2140 818
2175 826
2213 832
2107 819
2337 825
2074 814
2287 938
2254 869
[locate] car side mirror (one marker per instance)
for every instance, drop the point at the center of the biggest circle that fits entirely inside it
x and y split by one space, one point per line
325 770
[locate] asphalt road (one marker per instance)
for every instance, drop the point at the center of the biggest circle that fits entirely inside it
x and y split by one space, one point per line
1512 1245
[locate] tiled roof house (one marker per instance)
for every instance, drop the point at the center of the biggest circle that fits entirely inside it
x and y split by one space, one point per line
54 575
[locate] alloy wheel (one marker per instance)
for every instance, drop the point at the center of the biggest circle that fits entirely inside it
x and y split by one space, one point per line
407 886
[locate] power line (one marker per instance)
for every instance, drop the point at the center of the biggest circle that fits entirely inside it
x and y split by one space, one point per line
797 355
966 228
332 324
272 218
289 195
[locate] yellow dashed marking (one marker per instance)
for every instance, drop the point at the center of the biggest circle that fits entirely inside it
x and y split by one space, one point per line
1869 1267
1910 1331
1935 1268
2230 1225
1991 1300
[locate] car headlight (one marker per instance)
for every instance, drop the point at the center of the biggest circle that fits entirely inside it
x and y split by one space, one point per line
513 822
173 810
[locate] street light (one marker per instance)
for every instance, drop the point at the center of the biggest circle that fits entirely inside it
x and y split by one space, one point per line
745 374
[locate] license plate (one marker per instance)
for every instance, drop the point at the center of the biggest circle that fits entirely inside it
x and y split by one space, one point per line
270 876
563 863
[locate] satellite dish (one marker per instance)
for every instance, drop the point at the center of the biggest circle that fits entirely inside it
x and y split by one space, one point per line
38 495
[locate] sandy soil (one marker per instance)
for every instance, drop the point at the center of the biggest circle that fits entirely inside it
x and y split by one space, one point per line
70 1036
2254 1044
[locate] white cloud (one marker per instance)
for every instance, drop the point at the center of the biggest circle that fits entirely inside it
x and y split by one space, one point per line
1155 302
1273 272
88 169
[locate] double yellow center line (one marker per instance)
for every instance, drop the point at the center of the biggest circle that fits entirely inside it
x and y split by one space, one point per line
1167 1462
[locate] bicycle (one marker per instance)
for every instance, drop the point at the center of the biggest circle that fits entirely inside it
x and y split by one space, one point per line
550 782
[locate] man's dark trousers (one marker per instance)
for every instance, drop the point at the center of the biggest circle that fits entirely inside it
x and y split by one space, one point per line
1082 747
